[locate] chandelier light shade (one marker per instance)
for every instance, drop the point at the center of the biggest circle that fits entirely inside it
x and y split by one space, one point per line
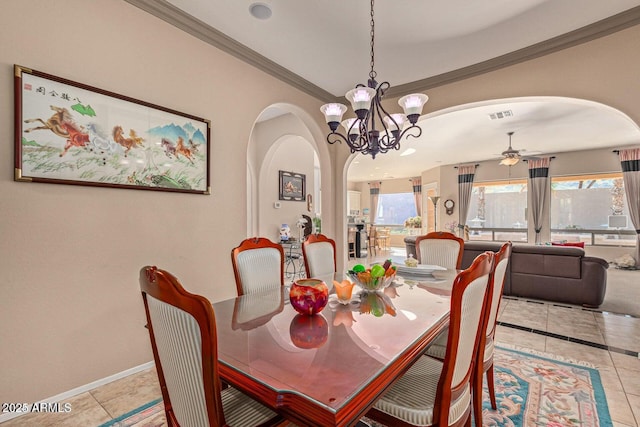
362 134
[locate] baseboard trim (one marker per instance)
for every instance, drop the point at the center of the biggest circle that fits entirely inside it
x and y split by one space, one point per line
84 388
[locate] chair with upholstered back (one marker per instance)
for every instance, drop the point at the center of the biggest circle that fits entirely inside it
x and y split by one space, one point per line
319 254
183 336
258 264
438 392
487 344
440 248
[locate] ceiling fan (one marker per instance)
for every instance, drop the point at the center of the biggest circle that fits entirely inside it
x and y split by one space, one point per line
510 156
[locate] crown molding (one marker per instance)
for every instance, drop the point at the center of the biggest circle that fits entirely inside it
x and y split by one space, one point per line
167 12
176 17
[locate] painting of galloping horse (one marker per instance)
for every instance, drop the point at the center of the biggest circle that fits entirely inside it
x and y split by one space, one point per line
71 133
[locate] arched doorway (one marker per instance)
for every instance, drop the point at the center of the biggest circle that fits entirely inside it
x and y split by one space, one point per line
284 138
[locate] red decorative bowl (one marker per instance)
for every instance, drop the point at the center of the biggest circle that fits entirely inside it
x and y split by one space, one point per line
309 296
308 331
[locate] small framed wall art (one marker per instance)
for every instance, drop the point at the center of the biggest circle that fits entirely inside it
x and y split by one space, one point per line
292 186
71 133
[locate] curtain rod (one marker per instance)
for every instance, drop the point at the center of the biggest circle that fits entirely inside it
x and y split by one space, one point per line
476 165
550 158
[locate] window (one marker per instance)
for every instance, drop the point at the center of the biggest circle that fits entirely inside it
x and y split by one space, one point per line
395 208
500 209
585 207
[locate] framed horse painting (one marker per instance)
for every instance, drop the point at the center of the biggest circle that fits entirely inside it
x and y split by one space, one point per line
71 133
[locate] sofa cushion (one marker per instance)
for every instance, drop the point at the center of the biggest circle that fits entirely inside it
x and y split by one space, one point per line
546 265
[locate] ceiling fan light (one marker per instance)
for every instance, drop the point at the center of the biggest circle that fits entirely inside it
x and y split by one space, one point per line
509 161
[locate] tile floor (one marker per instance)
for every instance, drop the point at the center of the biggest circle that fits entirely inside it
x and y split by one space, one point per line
611 342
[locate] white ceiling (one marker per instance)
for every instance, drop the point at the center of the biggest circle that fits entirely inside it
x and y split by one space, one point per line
325 45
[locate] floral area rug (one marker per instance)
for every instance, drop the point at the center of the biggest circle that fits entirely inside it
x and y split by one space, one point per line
538 389
532 389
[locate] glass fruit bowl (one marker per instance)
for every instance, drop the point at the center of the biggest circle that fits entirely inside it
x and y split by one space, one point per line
375 278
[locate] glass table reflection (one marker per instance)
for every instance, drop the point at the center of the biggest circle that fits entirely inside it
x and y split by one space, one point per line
327 369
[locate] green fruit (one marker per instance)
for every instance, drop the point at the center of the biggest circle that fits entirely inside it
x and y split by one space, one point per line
377 311
359 268
377 271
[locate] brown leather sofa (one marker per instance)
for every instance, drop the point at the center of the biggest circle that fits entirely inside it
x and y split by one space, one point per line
552 273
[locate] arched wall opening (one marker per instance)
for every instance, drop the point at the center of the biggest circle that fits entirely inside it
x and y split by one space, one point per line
284 138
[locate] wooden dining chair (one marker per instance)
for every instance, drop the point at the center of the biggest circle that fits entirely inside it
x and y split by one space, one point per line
486 345
351 242
319 253
438 392
258 264
383 239
440 248
183 336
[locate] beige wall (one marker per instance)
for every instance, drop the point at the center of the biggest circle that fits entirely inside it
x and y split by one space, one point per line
291 155
70 306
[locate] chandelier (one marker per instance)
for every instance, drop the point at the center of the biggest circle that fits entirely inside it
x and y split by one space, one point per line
363 136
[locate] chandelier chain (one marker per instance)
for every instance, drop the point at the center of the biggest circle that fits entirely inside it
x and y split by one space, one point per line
362 135
372 73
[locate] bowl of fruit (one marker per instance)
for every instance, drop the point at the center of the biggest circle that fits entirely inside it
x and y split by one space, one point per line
376 278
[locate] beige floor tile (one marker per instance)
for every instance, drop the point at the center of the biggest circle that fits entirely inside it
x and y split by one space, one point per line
574 323
610 379
157 420
634 402
620 409
630 381
520 338
624 361
523 313
128 393
579 352
619 331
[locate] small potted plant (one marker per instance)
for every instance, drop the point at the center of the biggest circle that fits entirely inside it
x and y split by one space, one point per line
413 222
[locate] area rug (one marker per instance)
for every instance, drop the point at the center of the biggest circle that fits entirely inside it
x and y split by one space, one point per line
532 389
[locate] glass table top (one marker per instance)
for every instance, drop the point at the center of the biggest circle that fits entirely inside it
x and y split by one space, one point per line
330 357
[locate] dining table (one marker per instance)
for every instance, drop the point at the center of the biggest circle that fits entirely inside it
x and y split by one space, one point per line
329 368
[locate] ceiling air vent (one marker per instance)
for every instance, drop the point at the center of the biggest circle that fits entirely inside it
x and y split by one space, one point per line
501 115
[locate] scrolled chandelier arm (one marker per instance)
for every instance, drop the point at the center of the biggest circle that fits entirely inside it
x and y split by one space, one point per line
362 134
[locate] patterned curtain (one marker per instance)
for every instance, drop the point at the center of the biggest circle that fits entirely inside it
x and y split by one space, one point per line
630 162
466 174
538 184
417 194
374 191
